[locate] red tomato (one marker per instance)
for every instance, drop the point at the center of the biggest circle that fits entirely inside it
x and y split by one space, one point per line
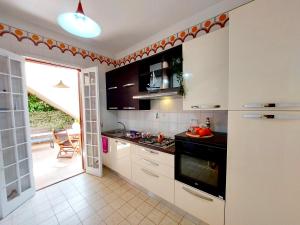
205 132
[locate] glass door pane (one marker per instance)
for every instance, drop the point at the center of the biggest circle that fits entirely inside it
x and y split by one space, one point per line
9 156
5 101
18 102
4 64
16 68
6 120
17 86
7 139
4 83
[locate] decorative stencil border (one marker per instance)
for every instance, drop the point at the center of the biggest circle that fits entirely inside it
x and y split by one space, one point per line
37 39
190 33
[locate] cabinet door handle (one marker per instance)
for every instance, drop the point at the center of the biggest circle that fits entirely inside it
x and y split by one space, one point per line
271 116
112 107
112 88
150 151
128 107
197 194
129 85
205 106
150 162
271 105
150 173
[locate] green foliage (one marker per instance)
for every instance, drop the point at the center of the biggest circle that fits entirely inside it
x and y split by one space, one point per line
50 120
43 115
37 105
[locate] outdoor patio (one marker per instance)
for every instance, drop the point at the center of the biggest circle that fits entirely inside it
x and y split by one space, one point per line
49 169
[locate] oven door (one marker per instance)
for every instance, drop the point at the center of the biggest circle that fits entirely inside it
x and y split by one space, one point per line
201 166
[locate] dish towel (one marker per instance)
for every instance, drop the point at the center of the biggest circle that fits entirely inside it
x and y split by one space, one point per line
105 144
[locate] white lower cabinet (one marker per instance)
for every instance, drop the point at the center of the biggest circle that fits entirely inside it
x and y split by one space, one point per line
199 204
122 158
118 157
106 157
154 182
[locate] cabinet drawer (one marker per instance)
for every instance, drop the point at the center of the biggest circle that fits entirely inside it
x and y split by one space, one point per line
153 165
154 182
157 156
200 204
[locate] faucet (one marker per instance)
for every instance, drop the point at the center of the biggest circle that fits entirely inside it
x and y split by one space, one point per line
124 127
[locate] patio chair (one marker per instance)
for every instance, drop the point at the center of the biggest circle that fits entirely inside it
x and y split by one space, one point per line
62 141
75 141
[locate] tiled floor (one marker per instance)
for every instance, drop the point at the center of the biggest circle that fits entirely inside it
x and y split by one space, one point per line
47 169
90 200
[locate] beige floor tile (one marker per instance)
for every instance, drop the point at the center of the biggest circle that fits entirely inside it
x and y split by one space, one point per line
73 220
50 221
143 196
65 214
155 216
99 204
152 201
124 222
135 202
127 196
105 212
146 221
167 221
186 221
174 215
135 218
85 213
144 208
114 219
117 203
93 220
126 210
163 208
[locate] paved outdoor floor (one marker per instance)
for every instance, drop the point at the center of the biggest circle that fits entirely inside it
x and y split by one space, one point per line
48 169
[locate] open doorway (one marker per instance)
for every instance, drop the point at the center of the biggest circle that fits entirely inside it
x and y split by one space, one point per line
55 121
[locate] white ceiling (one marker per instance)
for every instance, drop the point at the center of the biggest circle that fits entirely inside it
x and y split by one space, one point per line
124 22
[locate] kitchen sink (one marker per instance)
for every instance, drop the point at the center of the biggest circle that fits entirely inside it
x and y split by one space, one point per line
116 133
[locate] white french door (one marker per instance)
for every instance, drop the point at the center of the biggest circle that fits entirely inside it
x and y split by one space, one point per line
16 173
91 120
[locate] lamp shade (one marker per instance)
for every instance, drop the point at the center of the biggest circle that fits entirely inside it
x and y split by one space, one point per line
79 24
61 84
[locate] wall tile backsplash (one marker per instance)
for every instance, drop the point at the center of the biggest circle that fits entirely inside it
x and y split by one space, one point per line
167 116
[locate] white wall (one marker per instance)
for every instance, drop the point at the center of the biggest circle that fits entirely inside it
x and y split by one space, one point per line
171 118
42 52
41 80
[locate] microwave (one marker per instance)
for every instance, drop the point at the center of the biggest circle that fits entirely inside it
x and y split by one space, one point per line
201 163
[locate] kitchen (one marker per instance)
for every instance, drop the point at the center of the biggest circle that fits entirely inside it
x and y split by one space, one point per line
204 121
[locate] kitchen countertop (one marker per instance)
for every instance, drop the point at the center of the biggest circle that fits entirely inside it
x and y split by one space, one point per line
169 150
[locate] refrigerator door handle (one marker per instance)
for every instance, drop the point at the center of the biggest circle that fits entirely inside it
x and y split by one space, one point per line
271 105
272 116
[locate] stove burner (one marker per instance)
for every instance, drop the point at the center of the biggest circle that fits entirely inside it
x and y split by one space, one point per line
152 141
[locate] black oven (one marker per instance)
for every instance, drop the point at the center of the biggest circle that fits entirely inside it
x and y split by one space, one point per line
201 163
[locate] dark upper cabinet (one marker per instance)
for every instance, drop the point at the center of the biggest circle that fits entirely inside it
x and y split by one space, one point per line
121 85
127 81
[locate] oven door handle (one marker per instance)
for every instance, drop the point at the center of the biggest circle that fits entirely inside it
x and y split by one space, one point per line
197 194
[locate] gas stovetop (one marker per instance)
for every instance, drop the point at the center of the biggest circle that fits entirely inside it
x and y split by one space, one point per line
152 141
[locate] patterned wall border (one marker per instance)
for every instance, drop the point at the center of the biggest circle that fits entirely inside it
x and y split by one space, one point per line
37 39
192 32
